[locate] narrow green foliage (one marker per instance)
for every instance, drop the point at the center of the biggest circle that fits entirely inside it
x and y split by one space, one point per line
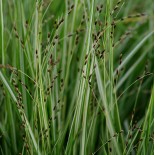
76 77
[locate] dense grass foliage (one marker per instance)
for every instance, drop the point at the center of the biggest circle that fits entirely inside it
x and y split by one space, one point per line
76 77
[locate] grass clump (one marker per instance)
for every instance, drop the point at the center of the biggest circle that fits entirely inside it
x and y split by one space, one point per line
76 77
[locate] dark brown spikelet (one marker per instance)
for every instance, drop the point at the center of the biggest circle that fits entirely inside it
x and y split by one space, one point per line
53 43
61 21
57 36
94 66
121 131
77 58
72 6
115 135
70 35
86 56
16 33
109 140
37 54
26 23
97 8
77 39
110 149
70 9
48 35
138 78
59 71
115 8
57 24
113 23
120 59
96 22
